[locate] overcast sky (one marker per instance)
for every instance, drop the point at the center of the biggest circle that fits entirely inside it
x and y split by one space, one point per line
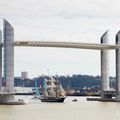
61 20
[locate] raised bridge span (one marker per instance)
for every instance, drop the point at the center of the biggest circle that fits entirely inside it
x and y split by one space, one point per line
77 45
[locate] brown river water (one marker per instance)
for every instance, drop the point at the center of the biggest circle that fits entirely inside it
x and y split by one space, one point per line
69 110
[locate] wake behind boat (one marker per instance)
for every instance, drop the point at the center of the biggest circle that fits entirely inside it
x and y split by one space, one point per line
53 91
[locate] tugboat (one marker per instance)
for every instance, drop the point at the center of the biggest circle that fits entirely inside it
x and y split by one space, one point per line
53 91
74 100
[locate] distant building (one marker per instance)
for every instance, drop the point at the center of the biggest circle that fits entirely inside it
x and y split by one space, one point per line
24 75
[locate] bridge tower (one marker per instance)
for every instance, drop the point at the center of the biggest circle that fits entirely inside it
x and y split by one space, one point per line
8 39
104 67
8 56
0 62
118 67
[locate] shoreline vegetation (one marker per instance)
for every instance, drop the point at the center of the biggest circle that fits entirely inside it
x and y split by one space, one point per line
75 85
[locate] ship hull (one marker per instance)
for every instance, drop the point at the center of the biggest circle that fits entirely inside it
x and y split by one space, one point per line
52 99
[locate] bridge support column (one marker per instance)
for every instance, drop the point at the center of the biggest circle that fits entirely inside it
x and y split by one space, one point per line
8 60
104 68
118 67
0 62
6 99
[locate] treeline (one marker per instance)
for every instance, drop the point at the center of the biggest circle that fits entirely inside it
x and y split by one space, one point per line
75 81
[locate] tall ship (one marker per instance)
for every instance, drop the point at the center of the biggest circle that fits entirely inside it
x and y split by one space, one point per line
52 91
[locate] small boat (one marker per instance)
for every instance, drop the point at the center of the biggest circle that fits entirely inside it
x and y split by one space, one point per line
53 91
74 100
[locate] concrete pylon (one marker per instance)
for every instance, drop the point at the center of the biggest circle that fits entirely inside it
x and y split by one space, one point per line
118 67
8 55
8 36
0 62
104 66
7 97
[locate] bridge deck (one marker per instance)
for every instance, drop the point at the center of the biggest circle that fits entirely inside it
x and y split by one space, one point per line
65 45
77 45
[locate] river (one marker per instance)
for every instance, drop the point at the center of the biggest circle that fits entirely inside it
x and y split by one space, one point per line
80 110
